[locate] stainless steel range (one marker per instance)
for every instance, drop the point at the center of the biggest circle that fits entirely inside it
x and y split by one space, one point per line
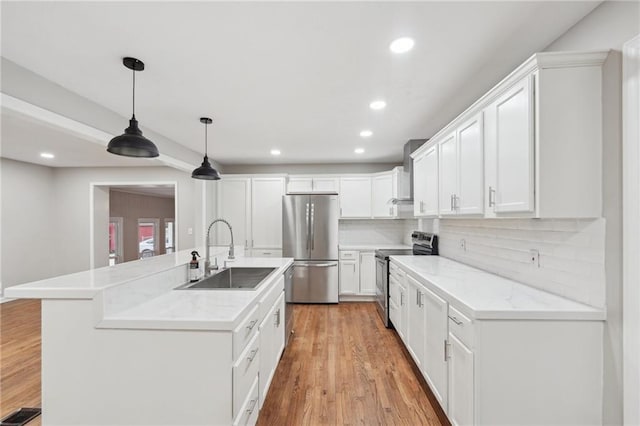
424 244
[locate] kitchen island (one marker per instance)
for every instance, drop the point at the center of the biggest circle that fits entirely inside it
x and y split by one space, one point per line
121 346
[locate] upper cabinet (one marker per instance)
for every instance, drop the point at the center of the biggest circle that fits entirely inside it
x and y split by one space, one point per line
355 197
425 185
234 205
530 147
307 184
266 212
382 193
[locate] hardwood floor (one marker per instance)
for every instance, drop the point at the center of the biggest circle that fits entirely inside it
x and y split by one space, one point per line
342 367
20 356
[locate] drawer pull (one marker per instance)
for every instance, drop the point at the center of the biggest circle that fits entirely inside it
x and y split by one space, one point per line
252 324
252 406
253 355
456 320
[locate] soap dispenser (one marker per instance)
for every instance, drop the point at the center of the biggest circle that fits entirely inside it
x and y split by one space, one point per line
194 267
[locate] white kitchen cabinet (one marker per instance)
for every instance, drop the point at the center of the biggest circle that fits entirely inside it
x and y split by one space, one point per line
460 376
307 184
266 212
416 321
382 192
425 183
355 197
367 273
448 174
271 344
435 329
234 205
398 296
540 133
349 277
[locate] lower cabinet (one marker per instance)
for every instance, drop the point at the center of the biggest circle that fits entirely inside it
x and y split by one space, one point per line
495 370
271 345
357 273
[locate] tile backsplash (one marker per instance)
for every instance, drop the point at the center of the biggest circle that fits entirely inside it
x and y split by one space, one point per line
571 252
391 231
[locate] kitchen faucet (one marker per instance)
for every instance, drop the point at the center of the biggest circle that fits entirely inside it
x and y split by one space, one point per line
207 263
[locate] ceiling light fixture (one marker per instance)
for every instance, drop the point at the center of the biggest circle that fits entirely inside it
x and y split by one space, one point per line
402 45
47 155
366 133
131 143
359 150
205 171
275 152
377 105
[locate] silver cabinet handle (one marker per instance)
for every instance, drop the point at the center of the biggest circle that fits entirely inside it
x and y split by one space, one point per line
319 265
446 350
313 226
401 299
456 200
253 355
451 202
492 197
277 318
456 320
418 298
252 406
252 324
308 229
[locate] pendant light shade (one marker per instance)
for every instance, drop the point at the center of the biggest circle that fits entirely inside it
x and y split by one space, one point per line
131 143
205 171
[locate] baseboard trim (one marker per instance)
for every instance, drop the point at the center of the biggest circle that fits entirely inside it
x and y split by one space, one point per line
357 298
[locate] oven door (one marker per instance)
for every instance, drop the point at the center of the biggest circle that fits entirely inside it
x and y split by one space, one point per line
382 289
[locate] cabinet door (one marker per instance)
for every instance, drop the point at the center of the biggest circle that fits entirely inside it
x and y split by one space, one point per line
514 149
435 365
278 330
448 174
355 197
298 185
471 167
382 192
403 312
266 212
234 203
415 325
461 401
431 182
367 273
325 185
265 354
420 170
349 276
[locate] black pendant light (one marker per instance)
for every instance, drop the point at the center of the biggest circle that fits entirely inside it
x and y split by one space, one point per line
131 143
205 171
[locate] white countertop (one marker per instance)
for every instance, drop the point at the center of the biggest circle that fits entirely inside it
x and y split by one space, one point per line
363 247
198 309
487 296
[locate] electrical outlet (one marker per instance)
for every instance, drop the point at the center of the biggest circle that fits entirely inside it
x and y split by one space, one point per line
534 256
463 244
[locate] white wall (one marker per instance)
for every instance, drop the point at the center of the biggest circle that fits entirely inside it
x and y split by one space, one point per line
29 243
608 27
357 231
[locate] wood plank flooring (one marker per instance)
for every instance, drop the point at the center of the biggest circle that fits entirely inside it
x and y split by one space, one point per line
20 356
342 367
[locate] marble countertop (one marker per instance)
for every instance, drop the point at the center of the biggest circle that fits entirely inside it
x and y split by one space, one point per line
351 246
487 296
198 309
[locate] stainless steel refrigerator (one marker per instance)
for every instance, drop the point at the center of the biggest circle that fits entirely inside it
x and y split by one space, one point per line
310 236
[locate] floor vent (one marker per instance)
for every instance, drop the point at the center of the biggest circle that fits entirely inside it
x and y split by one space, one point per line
21 417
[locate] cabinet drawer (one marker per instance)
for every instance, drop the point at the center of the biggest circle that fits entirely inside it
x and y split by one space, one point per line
461 326
396 273
245 332
248 413
349 255
266 253
267 301
394 290
245 372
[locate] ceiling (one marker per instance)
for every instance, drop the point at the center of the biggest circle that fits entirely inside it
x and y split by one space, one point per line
296 76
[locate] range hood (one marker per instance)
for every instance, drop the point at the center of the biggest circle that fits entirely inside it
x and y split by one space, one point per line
407 163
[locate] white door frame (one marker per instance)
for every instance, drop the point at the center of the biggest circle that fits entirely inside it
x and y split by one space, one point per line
92 188
631 229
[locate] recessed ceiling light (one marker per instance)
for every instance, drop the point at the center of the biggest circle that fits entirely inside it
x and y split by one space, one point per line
366 133
377 105
359 150
47 155
401 45
275 152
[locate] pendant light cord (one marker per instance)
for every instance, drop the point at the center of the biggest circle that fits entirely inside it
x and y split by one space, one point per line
134 94
205 139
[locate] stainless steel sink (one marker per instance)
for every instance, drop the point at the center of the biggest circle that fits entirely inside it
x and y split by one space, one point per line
231 279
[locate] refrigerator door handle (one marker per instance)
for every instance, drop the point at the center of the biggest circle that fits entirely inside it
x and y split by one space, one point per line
313 230
314 265
306 216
